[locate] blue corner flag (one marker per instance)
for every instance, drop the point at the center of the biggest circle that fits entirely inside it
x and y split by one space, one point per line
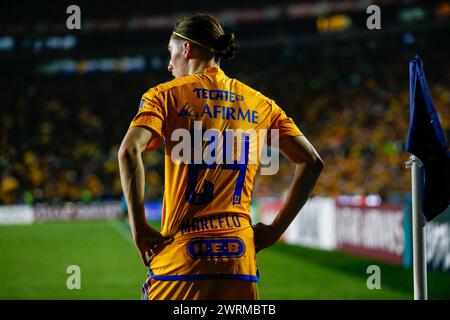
427 142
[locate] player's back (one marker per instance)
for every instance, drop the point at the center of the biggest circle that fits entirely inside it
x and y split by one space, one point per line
213 127
203 115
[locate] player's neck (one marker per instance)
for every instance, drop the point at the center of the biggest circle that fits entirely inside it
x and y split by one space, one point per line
198 66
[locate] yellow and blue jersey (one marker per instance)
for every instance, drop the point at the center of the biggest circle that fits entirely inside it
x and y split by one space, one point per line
206 207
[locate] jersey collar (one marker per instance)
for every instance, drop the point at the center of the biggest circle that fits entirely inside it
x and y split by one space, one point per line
214 71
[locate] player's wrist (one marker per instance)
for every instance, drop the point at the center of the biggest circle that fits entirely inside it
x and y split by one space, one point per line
140 229
276 230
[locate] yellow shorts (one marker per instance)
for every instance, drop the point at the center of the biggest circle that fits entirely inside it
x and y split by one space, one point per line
218 262
217 289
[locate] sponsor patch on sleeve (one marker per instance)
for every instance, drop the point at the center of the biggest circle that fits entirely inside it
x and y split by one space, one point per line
141 103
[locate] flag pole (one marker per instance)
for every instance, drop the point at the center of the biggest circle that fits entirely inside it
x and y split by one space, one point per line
418 231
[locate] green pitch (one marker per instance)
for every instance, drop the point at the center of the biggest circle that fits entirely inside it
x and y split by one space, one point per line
34 259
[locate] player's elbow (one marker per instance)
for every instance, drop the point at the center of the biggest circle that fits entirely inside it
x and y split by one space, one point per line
319 164
315 163
127 152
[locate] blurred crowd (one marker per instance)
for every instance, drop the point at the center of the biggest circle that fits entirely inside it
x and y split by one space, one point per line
352 102
59 135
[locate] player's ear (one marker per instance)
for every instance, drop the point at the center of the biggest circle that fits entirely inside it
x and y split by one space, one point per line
187 50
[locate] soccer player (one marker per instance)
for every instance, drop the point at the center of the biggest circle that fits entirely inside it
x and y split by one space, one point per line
207 246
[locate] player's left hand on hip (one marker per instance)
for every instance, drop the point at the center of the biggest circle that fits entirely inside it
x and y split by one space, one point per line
149 243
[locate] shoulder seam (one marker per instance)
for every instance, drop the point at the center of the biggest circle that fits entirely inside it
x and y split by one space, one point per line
252 89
